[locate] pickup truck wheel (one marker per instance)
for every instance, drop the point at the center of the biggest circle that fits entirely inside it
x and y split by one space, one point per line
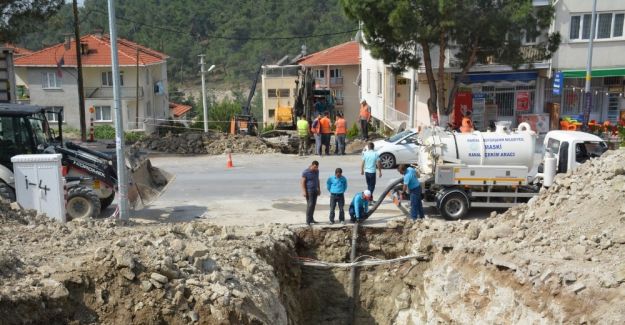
454 206
387 160
6 192
82 202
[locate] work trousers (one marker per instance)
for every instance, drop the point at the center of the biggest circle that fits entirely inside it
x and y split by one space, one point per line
370 177
364 129
325 141
352 213
416 206
311 203
340 200
318 144
340 144
303 145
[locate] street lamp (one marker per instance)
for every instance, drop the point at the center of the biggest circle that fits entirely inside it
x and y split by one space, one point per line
205 109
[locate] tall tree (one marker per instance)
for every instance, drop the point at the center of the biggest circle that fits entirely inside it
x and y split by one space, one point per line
477 31
17 16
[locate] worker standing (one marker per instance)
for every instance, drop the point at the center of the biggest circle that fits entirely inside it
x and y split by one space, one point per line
360 206
302 131
316 131
340 133
411 183
337 185
365 118
311 190
370 162
326 132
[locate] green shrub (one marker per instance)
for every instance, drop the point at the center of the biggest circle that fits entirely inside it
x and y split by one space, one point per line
353 131
105 131
133 136
269 127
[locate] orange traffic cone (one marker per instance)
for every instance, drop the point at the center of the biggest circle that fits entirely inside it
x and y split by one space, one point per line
229 163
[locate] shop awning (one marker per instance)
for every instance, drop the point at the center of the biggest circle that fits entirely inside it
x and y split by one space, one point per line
596 73
509 76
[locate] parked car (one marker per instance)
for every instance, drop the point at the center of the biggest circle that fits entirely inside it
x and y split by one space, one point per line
400 148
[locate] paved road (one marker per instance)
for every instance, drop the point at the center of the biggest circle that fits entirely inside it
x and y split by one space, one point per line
260 189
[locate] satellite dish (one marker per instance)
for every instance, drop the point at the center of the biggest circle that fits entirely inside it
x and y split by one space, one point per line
401 128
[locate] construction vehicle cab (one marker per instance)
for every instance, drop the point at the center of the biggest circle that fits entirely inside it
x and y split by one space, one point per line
573 148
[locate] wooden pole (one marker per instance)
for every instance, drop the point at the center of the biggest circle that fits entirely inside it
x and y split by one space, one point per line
81 94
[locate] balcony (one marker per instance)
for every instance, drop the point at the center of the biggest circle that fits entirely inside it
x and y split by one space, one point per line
107 92
394 118
533 53
338 81
321 82
339 101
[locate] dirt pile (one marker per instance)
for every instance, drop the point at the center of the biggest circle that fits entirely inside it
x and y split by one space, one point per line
212 143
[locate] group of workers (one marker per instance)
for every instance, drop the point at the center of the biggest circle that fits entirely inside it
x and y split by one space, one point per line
359 206
321 130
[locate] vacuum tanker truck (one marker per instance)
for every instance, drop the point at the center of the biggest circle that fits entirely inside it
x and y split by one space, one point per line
459 171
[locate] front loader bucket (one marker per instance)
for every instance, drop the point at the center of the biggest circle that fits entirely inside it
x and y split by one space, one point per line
147 182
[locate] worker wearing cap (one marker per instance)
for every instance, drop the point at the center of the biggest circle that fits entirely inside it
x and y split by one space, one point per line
326 131
365 117
360 206
315 129
411 183
302 131
467 125
340 133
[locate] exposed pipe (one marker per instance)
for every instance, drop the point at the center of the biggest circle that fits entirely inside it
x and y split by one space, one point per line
353 273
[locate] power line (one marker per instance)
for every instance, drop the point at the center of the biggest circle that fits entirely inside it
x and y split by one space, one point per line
172 30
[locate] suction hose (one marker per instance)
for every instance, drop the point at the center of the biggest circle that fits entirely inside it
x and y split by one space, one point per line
388 189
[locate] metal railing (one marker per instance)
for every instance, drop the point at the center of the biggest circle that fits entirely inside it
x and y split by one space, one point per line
322 82
107 92
339 101
337 81
393 117
135 126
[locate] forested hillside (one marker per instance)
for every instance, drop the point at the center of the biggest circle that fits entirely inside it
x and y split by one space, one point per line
235 35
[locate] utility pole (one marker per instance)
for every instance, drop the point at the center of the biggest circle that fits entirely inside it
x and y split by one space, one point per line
81 93
411 105
122 180
204 93
588 97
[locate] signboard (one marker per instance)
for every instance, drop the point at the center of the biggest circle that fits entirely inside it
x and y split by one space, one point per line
523 101
462 107
557 83
479 105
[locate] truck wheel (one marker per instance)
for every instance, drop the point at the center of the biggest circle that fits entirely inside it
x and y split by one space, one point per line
104 203
6 192
82 202
387 160
454 206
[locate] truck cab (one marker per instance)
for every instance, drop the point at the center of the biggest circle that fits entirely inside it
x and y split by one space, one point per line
572 148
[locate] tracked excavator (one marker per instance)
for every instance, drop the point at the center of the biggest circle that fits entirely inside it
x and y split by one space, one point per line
91 175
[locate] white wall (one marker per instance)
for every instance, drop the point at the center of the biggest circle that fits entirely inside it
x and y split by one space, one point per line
369 69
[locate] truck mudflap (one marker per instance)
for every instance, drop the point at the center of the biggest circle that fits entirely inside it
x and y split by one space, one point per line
453 203
147 182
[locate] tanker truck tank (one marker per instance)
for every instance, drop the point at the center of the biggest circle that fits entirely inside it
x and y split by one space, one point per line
503 147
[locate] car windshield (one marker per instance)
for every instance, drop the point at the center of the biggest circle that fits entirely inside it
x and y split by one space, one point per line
40 129
399 136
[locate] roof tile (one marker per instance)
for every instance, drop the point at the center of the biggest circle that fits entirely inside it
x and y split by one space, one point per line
342 54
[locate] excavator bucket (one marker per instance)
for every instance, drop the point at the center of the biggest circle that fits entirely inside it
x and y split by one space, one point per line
147 182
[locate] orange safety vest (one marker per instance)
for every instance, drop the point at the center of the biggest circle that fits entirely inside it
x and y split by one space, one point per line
315 126
325 125
340 126
364 112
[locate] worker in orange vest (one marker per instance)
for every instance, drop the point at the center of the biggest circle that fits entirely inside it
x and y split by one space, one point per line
365 117
467 125
326 131
340 133
315 129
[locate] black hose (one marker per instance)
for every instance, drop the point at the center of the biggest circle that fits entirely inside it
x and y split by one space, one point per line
384 194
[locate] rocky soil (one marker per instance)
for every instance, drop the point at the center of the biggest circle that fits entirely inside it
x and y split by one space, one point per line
213 143
558 259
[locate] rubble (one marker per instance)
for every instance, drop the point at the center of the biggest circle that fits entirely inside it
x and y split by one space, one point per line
212 143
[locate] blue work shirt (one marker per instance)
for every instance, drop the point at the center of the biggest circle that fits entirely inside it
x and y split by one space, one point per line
337 185
410 178
312 179
370 158
360 202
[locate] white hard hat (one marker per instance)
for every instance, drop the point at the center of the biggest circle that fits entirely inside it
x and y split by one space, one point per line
366 193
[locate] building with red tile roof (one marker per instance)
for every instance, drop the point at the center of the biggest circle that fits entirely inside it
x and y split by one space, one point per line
17 51
342 54
179 111
49 77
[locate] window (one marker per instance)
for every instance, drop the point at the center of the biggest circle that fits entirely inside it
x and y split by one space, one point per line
319 74
50 80
336 73
271 113
107 78
52 113
103 114
379 83
284 93
553 146
608 25
369 80
272 93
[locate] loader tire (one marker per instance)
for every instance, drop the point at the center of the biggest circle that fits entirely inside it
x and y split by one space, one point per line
6 192
82 202
104 203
